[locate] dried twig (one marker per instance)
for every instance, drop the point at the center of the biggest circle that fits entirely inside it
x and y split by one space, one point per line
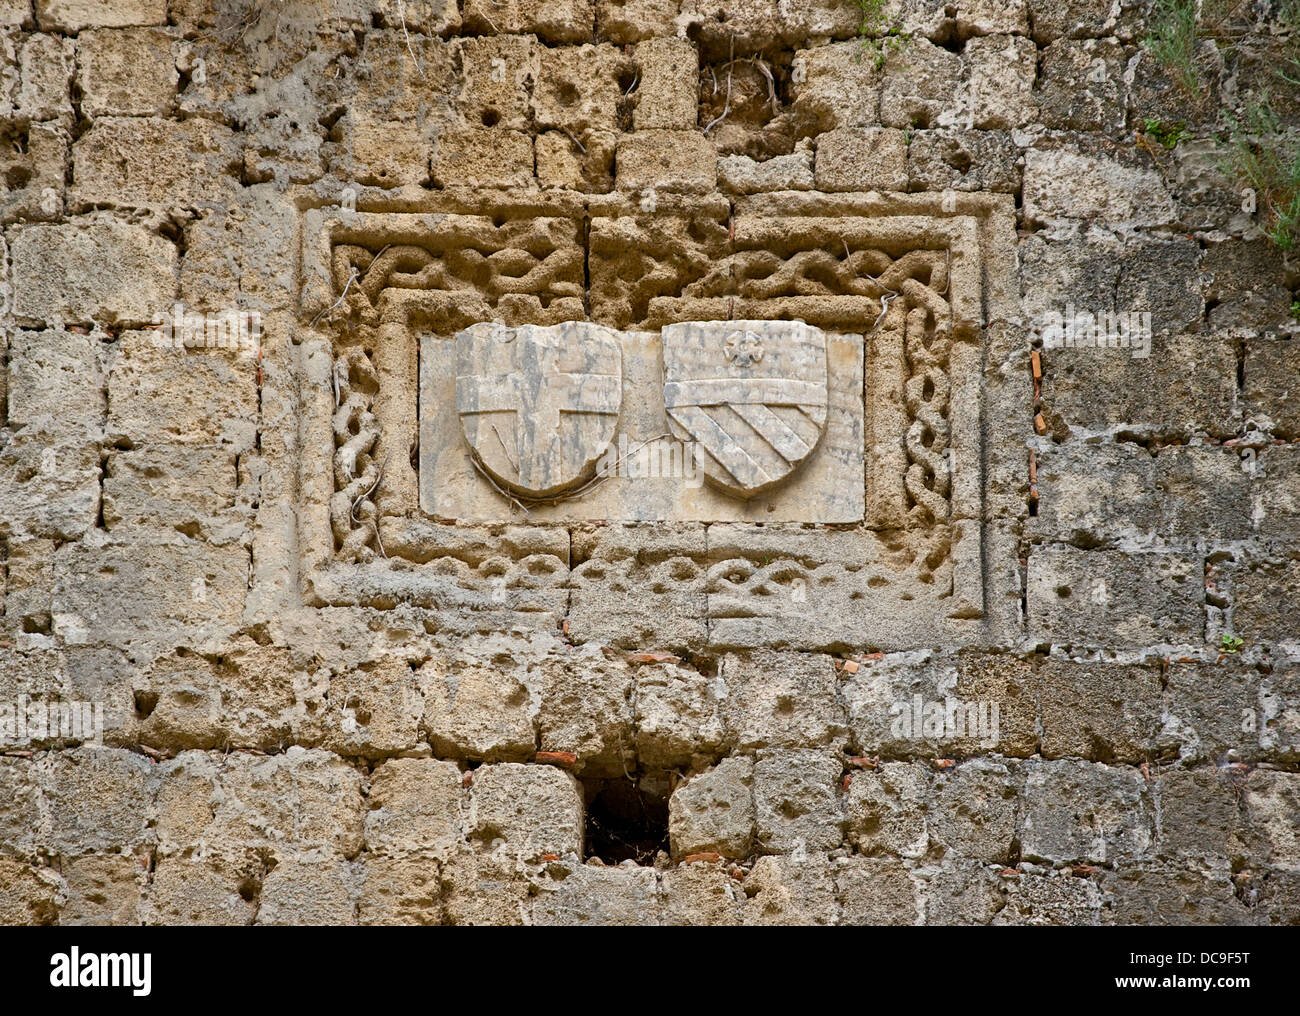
726 105
351 279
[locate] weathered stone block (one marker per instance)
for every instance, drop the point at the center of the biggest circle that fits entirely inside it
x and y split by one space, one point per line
785 891
589 895
1082 811
204 889
668 94
55 374
400 890
1060 184
1000 76
885 809
111 164
1112 598
796 799
47 63
300 891
972 810
49 481
713 812
100 270
701 895
483 158
562 21
678 714
473 710
1272 375
781 700
104 889
1081 85
158 394
1103 712
666 160
126 72
97 799
921 86
862 159
875 890
414 808
578 88
532 809
74 15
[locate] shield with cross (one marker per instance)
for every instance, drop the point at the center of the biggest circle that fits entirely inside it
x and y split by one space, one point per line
539 404
750 395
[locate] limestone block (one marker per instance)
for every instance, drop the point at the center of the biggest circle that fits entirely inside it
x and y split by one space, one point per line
299 801
28 894
1104 712
585 165
1106 493
875 891
701 895
1273 804
964 894
990 17
483 889
533 809
161 394
1201 819
102 271
744 175
665 160
889 702
796 798
400 890
885 809
781 700
49 481
110 164
1081 811
786 891
20 782
177 486
1174 894
97 799
630 21
475 710
1000 71
1275 493
483 158
104 889
31 178
1265 590
414 809
1051 21
1061 184
921 86
862 159
578 88
713 812
963 160
972 810
1054 899
126 72
1272 372
668 92
678 713
74 15
553 21
837 86
1110 598
56 374
204 889
603 897
586 709
301 891
1082 85
47 63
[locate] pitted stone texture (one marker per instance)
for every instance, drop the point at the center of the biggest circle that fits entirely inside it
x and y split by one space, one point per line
591 895
796 798
74 15
1085 812
526 811
414 808
101 271
713 812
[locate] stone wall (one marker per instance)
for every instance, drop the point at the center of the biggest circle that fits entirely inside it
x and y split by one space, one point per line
1019 644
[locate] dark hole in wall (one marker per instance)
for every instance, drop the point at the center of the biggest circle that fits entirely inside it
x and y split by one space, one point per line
627 819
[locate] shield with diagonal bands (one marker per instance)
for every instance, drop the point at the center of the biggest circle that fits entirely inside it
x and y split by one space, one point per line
539 405
752 395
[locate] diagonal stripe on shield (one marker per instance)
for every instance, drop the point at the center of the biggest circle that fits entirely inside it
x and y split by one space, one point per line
752 395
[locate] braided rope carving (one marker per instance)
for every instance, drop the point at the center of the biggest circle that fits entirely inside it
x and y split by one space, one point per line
353 516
